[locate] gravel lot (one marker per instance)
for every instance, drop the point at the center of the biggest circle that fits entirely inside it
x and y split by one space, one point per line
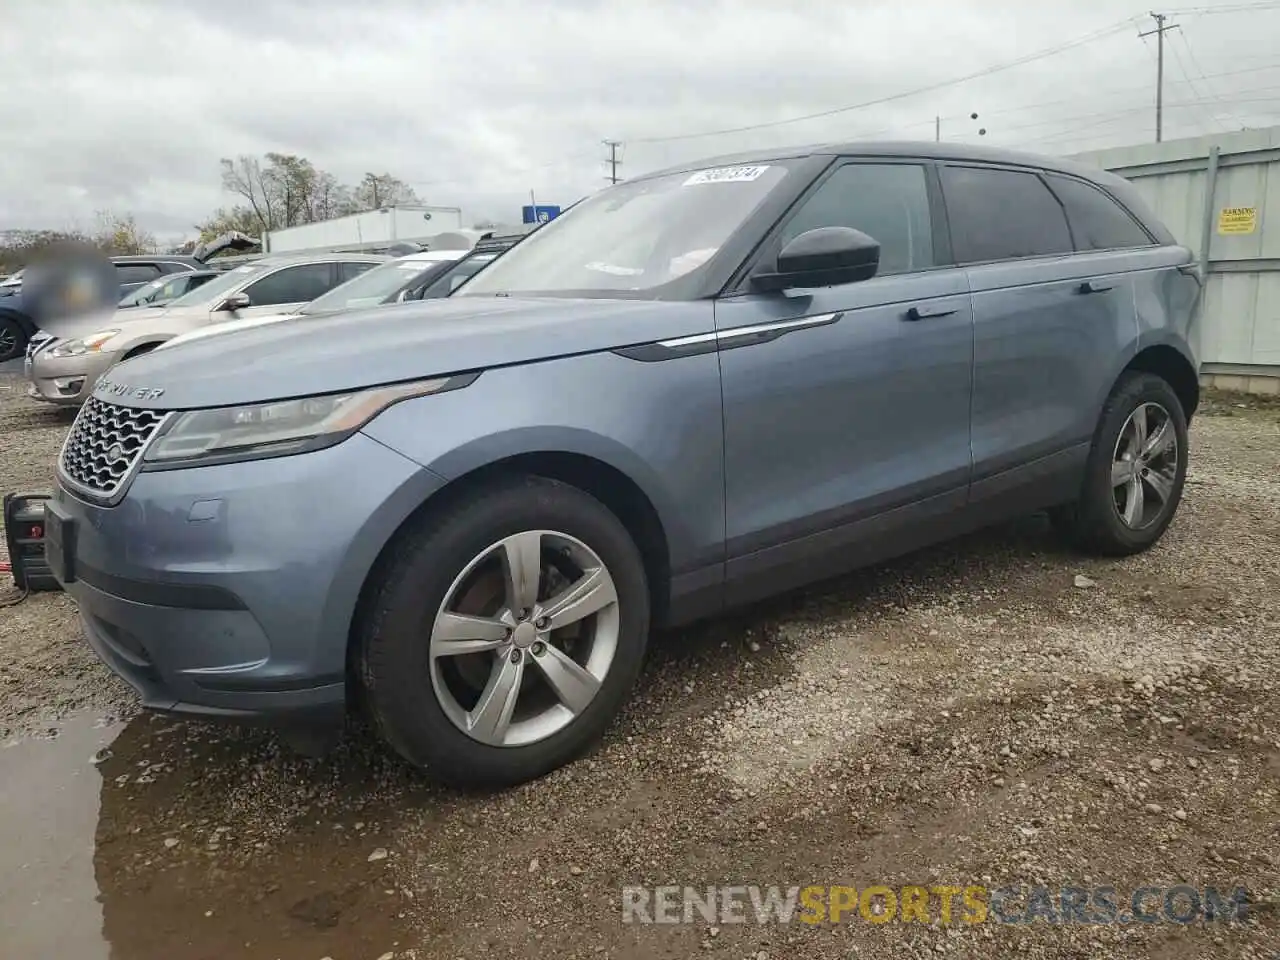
996 711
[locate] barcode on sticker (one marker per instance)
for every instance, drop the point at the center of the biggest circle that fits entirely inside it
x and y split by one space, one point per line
726 175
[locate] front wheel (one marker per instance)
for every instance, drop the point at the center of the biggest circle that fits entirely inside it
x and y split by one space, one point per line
1135 473
13 339
507 632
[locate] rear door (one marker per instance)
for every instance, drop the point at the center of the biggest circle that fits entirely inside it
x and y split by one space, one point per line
846 408
1048 326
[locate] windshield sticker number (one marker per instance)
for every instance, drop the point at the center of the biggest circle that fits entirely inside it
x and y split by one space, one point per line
726 175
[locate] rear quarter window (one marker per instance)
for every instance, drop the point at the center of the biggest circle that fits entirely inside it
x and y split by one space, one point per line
1097 221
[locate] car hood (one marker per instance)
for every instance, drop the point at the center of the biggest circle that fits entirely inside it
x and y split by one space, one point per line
227 326
159 322
349 351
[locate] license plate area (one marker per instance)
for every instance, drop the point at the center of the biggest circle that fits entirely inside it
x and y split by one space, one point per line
59 541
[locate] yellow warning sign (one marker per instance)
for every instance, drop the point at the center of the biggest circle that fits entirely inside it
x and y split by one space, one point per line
1237 220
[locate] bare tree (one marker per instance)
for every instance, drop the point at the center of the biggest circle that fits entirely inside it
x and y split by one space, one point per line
378 190
245 178
121 235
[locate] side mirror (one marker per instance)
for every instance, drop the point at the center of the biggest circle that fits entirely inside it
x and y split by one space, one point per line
823 257
237 301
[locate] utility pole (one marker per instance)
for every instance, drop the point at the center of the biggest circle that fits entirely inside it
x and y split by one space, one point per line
613 146
1160 29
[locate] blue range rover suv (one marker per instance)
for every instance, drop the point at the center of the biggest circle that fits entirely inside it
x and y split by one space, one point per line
694 388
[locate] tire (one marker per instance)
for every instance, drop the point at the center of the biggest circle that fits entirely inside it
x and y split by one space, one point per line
1096 522
13 339
416 701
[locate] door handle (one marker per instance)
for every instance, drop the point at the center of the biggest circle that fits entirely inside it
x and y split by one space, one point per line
928 313
1092 286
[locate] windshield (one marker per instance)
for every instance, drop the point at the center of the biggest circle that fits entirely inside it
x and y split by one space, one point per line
450 281
219 286
144 292
370 288
636 237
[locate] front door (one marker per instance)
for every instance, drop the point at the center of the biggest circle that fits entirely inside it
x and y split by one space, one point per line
289 288
846 408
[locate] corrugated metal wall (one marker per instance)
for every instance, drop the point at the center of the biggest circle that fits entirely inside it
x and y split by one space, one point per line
1239 327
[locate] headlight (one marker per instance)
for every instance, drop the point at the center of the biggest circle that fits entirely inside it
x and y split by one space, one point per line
283 427
82 345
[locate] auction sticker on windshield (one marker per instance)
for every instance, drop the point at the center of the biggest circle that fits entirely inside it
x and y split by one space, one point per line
726 175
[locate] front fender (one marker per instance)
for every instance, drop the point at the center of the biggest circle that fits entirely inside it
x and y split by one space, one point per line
659 424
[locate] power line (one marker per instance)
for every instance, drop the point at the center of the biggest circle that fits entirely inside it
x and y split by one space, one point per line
1232 8
986 72
1209 115
1110 90
1114 116
1195 65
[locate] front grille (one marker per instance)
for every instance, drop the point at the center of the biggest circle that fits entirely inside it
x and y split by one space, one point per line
105 443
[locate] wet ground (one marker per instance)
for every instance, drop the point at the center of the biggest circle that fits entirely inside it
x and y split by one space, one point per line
975 714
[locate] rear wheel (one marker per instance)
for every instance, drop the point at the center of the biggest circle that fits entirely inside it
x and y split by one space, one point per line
507 633
1135 473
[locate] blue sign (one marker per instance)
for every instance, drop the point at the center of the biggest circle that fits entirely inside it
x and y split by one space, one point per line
538 214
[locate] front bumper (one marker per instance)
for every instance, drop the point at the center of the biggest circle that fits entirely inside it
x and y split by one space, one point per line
229 591
67 381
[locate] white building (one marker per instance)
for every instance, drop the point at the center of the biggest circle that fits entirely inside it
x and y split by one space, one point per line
370 230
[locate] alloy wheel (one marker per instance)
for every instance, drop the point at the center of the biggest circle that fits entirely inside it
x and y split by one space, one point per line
524 638
1144 468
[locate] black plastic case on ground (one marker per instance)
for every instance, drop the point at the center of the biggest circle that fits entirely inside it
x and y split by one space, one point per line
24 527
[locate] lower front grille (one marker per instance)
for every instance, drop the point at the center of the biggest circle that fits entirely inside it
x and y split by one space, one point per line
105 444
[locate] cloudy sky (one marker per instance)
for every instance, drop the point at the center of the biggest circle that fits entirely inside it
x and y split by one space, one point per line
128 105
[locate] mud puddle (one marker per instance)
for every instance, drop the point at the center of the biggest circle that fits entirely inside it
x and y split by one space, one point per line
156 839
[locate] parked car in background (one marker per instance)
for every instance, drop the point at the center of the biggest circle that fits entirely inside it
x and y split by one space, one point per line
695 388
17 326
444 273
160 292
443 282
382 285
63 371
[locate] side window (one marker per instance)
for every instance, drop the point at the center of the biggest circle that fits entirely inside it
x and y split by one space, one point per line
349 271
136 272
1097 221
887 201
1002 215
300 284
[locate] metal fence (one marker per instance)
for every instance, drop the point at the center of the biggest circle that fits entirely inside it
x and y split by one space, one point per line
1217 194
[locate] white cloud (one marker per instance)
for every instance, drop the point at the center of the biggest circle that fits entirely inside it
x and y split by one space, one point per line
129 105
